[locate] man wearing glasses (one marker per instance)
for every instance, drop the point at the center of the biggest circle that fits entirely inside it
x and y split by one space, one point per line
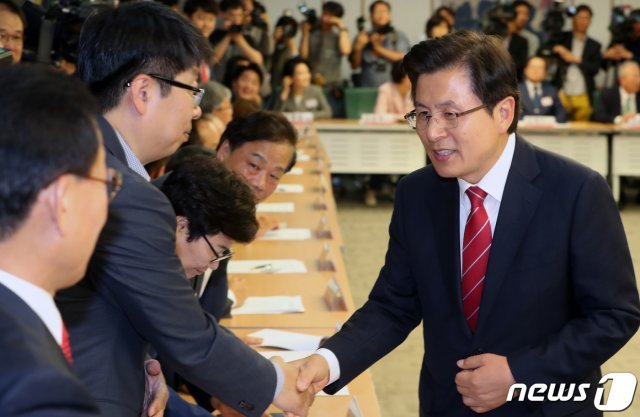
12 23
53 204
141 60
514 259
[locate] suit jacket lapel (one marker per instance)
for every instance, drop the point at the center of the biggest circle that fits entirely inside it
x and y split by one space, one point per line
519 203
110 140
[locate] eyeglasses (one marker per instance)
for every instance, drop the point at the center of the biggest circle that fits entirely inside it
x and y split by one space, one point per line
228 253
197 92
6 37
113 181
446 120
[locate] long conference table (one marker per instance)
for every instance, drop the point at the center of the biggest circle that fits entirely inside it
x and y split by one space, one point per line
324 287
356 148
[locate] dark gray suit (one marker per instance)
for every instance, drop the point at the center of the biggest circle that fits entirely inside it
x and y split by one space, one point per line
559 298
135 293
35 378
555 109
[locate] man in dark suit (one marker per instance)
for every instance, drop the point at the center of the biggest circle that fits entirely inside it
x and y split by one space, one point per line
135 292
498 247
621 103
578 64
53 203
538 97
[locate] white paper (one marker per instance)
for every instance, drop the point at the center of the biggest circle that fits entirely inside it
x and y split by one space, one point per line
277 304
290 188
287 234
266 266
296 171
287 340
289 356
275 208
303 157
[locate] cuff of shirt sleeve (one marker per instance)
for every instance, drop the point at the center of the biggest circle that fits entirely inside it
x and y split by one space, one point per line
279 380
334 365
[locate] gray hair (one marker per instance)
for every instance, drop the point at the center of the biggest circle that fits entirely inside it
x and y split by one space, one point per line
214 94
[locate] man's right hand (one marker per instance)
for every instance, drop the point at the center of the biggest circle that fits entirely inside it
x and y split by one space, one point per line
313 373
292 400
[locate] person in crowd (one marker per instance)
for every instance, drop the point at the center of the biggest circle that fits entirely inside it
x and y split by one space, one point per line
394 97
579 62
256 27
285 48
217 112
498 248
134 293
522 10
436 27
229 40
448 14
621 103
12 24
245 83
373 52
539 97
202 14
298 94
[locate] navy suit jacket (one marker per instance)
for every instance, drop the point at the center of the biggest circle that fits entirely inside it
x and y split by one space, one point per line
35 378
555 109
559 298
610 106
135 293
589 67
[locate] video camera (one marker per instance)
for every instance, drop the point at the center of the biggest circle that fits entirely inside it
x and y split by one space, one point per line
622 21
309 13
256 15
553 23
53 30
496 18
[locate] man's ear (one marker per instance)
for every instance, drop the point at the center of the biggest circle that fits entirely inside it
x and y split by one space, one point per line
223 150
55 198
141 92
182 224
505 111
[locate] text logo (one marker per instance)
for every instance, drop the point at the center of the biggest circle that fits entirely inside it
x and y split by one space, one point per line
621 392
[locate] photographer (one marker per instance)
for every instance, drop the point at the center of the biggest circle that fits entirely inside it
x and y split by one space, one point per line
578 63
285 47
229 40
324 43
12 23
625 42
375 51
256 27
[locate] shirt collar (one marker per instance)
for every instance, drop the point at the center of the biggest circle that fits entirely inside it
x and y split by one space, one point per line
132 160
494 181
40 301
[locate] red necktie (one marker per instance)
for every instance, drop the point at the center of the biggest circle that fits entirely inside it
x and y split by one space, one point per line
66 346
475 255
204 74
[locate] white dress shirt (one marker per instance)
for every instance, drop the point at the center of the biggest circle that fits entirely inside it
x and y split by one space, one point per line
493 184
624 96
40 301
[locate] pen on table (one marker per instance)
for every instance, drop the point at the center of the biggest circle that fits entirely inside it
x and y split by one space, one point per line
264 266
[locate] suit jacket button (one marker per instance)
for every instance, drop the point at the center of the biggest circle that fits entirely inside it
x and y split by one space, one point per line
246 406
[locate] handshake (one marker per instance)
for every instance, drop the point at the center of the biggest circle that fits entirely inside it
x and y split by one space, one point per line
303 379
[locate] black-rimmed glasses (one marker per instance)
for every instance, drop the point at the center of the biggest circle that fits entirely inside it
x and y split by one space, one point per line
197 92
113 181
446 120
228 253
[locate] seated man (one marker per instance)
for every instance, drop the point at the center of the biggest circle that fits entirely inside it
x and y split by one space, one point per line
620 104
53 204
539 97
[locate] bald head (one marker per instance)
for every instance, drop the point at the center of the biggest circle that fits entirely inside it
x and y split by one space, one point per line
629 76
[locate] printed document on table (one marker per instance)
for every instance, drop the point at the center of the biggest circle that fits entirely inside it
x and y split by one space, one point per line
290 188
266 266
287 234
287 340
277 304
275 208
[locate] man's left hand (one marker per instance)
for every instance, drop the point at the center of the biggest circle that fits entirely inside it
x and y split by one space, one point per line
484 381
156 392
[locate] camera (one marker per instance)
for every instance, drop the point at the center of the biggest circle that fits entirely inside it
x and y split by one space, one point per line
256 15
289 26
360 22
384 29
235 29
309 13
622 21
496 18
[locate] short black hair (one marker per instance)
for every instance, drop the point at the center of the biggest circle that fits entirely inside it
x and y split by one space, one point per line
445 9
333 8
584 8
260 125
489 66
12 7
435 20
145 37
238 70
519 3
212 198
185 153
207 6
226 5
47 129
290 65
377 2
397 72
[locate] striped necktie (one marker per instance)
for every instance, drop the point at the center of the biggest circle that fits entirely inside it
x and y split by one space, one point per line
475 255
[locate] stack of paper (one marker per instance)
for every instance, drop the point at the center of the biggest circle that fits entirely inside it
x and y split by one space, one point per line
290 188
287 340
266 266
296 171
275 208
287 234
270 305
